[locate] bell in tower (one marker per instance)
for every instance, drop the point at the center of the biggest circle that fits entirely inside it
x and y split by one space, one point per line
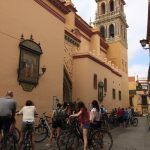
111 20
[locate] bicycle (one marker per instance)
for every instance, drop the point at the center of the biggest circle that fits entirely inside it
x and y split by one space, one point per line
27 142
133 121
43 129
73 138
9 140
148 121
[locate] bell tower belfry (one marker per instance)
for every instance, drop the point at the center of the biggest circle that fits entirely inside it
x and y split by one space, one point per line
111 21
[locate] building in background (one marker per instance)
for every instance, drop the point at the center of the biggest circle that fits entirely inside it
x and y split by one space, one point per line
139 95
49 54
145 43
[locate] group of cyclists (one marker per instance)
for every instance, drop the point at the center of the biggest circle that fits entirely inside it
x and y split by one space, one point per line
121 116
69 110
87 117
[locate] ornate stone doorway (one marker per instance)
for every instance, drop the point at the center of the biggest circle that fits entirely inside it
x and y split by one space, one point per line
67 88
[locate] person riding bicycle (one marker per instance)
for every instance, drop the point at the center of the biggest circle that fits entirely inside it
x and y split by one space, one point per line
84 118
28 112
7 112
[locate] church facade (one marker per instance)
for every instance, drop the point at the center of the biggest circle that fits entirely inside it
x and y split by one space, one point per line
50 54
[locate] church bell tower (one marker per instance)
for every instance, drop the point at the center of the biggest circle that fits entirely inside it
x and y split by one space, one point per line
111 21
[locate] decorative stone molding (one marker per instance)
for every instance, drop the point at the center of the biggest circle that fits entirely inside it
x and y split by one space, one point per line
69 50
101 61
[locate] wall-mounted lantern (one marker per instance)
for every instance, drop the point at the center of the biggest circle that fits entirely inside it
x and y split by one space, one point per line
43 69
101 93
29 62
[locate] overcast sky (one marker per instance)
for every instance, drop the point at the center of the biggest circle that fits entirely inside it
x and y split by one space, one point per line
136 14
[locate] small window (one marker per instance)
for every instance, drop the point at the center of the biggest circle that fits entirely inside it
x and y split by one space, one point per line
111 31
111 4
131 101
102 31
95 81
105 85
114 93
119 93
103 8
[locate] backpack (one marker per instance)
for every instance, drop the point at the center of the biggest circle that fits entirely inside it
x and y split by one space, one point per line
58 114
102 110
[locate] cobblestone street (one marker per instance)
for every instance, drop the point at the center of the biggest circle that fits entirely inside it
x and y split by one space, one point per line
131 138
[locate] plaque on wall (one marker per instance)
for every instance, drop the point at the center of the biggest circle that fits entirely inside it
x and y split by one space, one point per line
28 71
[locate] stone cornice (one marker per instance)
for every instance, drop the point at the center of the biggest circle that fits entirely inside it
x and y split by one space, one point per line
100 62
83 26
72 39
49 9
71 7
60 6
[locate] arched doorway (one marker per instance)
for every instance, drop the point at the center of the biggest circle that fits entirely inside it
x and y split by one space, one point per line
67 88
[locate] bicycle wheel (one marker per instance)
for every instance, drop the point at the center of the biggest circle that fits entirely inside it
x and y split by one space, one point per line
8 142
101 139
74 142
27 141
40 133
16 134
135 122
61 142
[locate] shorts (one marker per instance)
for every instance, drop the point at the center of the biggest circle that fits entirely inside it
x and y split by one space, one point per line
57 124
5 122
86 125
27 126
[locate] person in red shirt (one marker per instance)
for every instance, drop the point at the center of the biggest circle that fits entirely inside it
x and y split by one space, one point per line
83 115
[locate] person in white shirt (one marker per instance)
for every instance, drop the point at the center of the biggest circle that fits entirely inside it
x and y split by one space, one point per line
95 114
28 111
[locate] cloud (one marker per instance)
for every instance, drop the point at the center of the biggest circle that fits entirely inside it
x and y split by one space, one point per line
136 12
140 70
86 9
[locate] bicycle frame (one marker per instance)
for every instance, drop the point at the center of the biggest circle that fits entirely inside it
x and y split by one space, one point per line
44 122
28 137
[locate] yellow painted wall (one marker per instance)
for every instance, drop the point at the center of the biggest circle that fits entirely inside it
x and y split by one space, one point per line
83 79
31 18
27 17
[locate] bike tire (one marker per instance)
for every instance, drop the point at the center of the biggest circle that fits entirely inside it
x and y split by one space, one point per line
101 139
135 122
27 145
40 133
62 140
8 142
74 142
16 134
